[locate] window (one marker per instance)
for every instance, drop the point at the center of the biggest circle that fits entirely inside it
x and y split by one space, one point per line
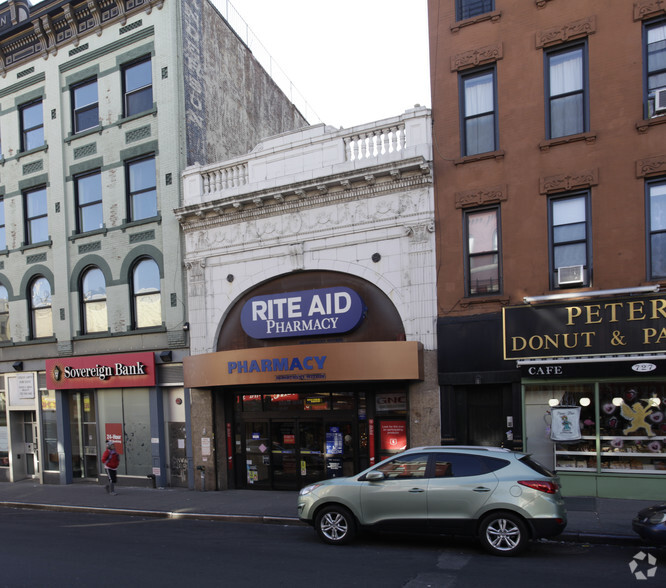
470 8
566 111
405 467
479 122
141 188
146 293
85 106
655 64
482 240
32 125
36 217
138 87
93 301
4 314
569 239
88 188
3 231
41 317
656 211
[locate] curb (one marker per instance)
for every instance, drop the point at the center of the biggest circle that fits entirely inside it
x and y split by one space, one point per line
160 514
599 538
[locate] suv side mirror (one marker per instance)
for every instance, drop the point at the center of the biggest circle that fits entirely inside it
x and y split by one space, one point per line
375 477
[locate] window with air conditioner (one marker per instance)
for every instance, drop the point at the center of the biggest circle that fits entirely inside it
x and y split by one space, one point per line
570 249
654 48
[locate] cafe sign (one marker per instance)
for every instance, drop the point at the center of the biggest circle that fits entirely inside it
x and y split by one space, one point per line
325 311
615 326
101 371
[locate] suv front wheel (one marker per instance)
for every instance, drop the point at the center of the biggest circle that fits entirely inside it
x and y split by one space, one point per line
503 533
335 525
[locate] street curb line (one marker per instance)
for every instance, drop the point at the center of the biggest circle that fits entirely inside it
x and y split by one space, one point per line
265 519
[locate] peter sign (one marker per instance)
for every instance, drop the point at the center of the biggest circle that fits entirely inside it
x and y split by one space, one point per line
617 326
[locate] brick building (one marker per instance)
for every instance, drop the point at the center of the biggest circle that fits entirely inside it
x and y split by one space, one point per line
550 175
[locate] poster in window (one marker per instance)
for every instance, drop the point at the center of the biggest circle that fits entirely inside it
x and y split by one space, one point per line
393 435
565 424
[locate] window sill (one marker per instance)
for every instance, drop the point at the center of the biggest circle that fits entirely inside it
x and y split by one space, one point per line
484 299
75 236
22 154
144 221
643 126
29 246
82 134
493 16
124 120
587 137
480 157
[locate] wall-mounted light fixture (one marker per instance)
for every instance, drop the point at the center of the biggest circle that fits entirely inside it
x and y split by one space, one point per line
166 356
186 326
18 366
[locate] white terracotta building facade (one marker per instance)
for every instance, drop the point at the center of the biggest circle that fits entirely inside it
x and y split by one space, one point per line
306 219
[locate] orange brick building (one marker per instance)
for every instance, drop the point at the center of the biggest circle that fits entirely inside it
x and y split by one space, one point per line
550 185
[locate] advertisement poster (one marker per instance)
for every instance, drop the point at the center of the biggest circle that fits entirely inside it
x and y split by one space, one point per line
333 441
565 425
114 433
393 435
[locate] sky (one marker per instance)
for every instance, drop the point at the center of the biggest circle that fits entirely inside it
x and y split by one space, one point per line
352 61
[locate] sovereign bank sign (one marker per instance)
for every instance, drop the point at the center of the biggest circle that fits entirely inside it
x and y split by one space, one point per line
326 311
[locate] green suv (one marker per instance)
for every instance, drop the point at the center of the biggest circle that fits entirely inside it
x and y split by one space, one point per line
502 497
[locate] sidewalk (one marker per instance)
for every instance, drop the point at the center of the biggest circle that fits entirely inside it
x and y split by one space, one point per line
593 520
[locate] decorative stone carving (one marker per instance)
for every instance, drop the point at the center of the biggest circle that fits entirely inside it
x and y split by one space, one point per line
475 57
566 182
573 30
648 8
651 166
478 197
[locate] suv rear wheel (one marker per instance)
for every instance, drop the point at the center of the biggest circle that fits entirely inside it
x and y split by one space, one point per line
335 525
503 533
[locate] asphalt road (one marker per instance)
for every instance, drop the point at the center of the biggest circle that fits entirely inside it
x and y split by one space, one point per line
54 549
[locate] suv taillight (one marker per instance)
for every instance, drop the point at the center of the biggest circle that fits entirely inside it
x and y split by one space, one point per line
540 485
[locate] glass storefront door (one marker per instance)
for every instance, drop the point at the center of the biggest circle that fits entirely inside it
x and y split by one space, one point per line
31 437
83 427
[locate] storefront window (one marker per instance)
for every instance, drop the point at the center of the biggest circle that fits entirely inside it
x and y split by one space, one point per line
632 427
49 430
124 414
622 426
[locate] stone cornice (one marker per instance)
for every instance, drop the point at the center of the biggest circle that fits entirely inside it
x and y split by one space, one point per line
476 57
651 166
296 197
481 197
568 32
55 25
570 181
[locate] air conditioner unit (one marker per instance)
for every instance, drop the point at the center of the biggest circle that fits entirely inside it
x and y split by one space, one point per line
570 275
660 101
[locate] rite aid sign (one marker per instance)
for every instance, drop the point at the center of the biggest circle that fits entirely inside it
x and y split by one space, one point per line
327 311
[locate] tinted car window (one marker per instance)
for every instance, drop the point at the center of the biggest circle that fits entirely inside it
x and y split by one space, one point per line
494 463
405 467
536 466
458 465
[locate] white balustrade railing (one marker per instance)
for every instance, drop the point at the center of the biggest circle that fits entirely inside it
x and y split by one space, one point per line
224 178
375 142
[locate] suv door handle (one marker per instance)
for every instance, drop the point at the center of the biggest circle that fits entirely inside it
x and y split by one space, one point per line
417 490
481 489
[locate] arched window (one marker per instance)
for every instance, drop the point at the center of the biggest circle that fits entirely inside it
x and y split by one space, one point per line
93 301
4 315
146 294
41 313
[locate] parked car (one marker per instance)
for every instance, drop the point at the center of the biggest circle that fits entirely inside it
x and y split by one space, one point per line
502 497
650 524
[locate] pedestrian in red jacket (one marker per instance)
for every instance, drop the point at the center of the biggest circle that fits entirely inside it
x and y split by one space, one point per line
111 460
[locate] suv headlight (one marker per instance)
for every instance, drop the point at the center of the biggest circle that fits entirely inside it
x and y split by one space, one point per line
305 491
